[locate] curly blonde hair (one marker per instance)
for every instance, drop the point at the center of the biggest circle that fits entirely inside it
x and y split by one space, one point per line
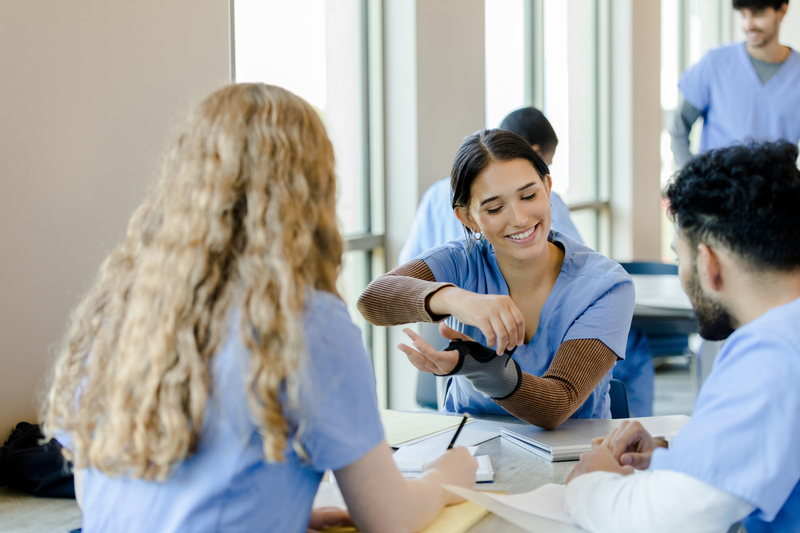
243 215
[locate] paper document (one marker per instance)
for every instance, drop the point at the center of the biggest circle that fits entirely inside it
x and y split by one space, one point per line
467 437
411 461
403 427
548 499
453 519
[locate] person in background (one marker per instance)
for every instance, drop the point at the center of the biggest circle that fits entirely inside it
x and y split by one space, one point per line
554 312
435 224
743 91
212 374
737 229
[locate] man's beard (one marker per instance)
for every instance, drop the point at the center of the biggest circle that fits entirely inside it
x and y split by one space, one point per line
766 38
715 322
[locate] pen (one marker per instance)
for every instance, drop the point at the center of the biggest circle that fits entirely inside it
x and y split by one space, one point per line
461 425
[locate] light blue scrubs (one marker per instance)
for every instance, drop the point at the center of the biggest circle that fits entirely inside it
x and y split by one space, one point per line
227 486
436 224
592 298
744 433
736 106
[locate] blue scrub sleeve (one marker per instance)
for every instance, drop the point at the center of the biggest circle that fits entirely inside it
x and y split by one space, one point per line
695 86
743 434
608 318
338 394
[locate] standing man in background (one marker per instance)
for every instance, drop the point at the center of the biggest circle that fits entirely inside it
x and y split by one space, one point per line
743 91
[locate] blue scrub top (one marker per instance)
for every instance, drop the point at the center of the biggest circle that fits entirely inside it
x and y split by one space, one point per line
593 298
227 486
436 224
744 433
736 106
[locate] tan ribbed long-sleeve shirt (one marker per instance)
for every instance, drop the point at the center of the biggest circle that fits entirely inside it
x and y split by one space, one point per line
400 297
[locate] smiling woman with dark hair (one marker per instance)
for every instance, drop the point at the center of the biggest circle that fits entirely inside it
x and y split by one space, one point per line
563 309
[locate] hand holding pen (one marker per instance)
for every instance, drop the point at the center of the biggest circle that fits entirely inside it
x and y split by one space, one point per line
460 426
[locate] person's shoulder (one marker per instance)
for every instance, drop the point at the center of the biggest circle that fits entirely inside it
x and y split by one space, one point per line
723 53
776 330
437 194
580 261
720 57
757 348
324 307
459 249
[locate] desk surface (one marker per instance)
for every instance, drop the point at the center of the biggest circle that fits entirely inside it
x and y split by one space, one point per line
662 307
516 470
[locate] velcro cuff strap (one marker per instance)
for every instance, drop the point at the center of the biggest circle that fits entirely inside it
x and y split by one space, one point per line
489 373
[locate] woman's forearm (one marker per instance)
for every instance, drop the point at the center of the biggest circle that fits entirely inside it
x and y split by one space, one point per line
547 401
400 296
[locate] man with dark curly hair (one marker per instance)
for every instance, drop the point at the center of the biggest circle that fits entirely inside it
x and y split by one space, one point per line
744 91
738 243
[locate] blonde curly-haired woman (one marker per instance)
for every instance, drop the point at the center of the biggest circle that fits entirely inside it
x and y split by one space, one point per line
212 374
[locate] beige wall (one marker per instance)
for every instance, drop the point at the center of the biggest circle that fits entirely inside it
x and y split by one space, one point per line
89 90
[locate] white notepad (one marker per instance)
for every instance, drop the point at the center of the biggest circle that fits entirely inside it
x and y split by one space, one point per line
411 460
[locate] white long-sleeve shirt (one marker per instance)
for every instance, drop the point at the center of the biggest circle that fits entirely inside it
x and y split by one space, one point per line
653 501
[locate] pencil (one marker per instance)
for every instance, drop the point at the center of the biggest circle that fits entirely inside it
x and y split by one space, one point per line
461 425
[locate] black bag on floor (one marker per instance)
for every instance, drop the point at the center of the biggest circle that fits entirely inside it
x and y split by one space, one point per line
36 468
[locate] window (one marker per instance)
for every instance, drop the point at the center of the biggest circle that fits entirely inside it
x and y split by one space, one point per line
329 52
575 88
689 28
505 59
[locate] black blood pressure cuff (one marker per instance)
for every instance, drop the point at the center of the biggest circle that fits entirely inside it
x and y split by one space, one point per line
496 376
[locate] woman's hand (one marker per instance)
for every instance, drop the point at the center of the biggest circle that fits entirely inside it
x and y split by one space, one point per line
455 467
426 358
631 444
498 317
326 517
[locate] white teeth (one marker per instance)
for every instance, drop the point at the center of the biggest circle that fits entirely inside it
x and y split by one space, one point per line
520 236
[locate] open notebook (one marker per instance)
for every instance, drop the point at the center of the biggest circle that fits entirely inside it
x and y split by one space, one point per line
411 460
573 437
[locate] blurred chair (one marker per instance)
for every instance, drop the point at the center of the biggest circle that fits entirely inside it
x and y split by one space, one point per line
426 390
619 399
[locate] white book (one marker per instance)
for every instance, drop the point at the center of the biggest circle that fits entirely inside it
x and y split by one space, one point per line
569 440
412 460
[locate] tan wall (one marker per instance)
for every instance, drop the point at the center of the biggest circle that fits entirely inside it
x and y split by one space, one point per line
88 91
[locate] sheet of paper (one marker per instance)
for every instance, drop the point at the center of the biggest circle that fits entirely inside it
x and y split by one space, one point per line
402 427
413 458
524 520
457 518
453 519
467 437
547 501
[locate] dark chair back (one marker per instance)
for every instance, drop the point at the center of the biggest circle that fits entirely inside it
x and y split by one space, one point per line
619 399
650 268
